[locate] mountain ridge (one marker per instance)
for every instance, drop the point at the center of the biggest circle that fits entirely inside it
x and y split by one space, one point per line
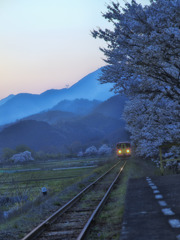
4 100
48 131
26 104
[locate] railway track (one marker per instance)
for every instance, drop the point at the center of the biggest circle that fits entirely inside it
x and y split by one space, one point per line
73 220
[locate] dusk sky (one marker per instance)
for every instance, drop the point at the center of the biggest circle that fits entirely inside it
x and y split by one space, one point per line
46 44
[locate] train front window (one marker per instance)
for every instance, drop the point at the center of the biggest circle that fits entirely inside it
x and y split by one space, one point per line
123 145
118 146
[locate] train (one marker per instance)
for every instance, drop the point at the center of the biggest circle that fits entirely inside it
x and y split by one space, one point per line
123 149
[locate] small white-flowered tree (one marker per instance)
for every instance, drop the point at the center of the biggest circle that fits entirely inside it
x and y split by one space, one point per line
104 150
91 151
80 154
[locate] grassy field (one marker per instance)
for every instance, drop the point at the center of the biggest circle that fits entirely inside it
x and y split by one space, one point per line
25 181
63 180
70 176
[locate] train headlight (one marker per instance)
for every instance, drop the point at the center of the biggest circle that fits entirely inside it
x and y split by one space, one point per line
128 151
119 151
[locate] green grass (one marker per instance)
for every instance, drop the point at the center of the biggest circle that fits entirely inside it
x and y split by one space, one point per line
59 191
33 188
53 163
63 189
17 184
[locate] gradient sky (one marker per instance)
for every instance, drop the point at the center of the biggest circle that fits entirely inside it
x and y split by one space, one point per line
47 44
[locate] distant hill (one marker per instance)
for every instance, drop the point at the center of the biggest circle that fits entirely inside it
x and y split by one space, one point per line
112 107
77 106
36 135
4 100
62 131
72 110
24 104
52 117
90 88
93 129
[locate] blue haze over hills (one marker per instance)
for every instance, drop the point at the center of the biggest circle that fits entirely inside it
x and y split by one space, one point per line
16 107
58 131
83 115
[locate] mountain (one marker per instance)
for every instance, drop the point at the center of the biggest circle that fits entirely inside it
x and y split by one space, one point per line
37 135
77 106
90 88
52 117
4 100
68 110
41 136
65 131
93 129
24 104
112 107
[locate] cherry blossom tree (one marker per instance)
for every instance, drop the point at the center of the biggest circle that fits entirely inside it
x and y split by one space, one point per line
143 49
152 123
143 61
91 151
104 150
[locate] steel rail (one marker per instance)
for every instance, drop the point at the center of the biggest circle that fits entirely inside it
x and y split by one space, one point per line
84 231
50 220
